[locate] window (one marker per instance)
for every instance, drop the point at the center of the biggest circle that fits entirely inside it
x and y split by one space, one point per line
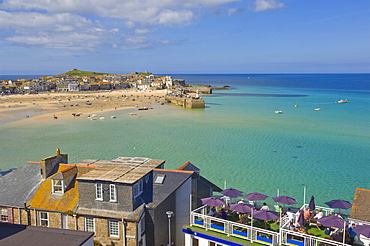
3 215
112 193
99 191
44 219
138 188
141 226
89 224
113 228
159 178
57 186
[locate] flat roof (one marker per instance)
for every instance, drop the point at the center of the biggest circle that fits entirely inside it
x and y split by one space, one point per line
122 169
22 235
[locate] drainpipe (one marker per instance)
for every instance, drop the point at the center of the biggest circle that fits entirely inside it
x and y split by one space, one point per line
124 232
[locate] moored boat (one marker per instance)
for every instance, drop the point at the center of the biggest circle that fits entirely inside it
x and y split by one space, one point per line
278 112
342 101
143 108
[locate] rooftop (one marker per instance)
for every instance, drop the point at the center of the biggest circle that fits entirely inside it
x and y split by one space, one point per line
121 170
22 235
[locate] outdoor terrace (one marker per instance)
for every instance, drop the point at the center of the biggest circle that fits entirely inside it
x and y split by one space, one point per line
259 232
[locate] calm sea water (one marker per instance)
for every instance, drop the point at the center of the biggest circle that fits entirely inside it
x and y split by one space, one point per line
237 138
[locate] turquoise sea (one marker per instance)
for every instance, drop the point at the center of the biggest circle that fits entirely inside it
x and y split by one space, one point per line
237 138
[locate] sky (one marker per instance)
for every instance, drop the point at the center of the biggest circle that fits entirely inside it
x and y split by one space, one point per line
48 37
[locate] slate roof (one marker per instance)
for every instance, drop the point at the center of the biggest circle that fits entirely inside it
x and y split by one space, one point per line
19 186
361 205
189 167
23 235
173 180
133 216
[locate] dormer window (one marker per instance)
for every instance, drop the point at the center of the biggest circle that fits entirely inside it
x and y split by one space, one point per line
112 193
58 186
99 192
138 188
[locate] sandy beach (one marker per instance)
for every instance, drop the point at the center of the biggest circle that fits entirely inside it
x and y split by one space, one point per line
65 104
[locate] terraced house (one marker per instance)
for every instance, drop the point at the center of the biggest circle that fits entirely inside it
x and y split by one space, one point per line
123 201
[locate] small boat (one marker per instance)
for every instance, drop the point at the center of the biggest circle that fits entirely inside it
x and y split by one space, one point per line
278 112
113 116
317 109
295 105
342 101
102 118
143 108
55 117
133 114
88 103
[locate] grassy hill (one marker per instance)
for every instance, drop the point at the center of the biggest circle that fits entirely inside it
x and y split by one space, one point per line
80 73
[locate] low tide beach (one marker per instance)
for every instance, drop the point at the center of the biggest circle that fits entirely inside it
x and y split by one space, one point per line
66 105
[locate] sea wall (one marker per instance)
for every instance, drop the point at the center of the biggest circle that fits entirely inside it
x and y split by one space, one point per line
185 101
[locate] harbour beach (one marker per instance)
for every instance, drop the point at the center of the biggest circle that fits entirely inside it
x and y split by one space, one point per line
237 138
64 104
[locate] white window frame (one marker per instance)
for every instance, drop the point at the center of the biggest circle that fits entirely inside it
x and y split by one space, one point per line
89 224
113 228
58 188
44 218
4 215
138 188
99 191
112 193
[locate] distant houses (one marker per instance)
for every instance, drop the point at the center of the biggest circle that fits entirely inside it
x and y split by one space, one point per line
67 83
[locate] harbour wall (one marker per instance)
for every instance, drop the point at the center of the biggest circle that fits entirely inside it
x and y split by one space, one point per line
185 101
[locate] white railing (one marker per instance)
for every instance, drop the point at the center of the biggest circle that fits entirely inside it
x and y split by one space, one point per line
233 229
289 237
200 219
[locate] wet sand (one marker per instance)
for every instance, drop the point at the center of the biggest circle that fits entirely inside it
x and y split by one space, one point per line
64 105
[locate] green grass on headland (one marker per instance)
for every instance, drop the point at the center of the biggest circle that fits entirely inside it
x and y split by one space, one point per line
80 73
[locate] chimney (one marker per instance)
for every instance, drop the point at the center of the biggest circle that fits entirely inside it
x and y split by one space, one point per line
50 165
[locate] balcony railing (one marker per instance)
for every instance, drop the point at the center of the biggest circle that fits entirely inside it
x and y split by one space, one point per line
199 218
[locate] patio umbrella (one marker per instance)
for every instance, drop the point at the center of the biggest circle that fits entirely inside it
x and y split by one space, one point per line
255 196
241 207
300 220
231 192
285 200
363 230
332 221
311 205
265 215
341 204
212 201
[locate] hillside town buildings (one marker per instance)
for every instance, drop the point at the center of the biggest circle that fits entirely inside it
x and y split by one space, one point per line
68 83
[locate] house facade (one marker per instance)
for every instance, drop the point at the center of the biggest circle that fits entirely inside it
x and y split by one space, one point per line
122 201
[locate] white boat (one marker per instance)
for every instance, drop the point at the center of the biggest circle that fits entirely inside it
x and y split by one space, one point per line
102 118
317 109
342 101
278 112
113 116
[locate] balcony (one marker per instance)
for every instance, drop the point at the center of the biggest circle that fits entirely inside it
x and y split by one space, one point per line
254 232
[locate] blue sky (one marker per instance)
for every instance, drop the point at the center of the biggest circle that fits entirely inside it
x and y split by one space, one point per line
185 36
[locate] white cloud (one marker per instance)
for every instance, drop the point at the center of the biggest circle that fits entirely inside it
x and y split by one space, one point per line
142 31
174 18
79 24
263 5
